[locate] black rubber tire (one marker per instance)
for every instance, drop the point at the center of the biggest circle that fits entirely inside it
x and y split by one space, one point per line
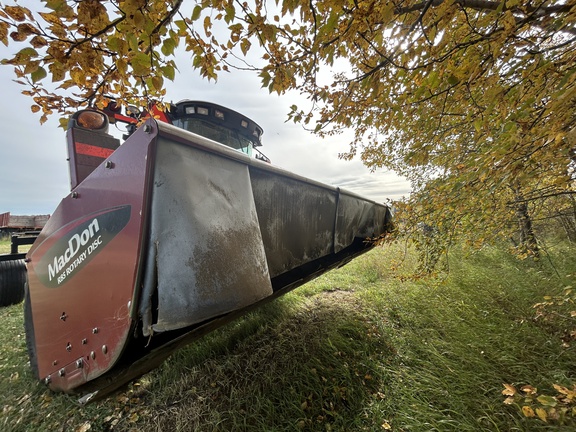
29 329
12 281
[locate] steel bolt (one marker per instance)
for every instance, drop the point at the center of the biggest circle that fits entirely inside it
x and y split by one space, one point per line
84 341
75 195
109 164
68 347
92 355
47 380
95 330
147 129
104 349
62 372
79 363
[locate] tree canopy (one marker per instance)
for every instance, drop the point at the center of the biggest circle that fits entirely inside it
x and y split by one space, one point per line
472 100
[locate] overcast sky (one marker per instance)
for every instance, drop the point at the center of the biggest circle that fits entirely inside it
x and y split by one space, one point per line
34 171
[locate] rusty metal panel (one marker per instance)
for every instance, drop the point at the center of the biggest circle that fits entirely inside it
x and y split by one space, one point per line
296 219
31 222
4 219
206 256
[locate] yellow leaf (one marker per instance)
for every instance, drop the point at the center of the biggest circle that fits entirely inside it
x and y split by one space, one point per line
529 389
527 411
561 389
157 82
509 390
17 13
542 414
84 427
4 33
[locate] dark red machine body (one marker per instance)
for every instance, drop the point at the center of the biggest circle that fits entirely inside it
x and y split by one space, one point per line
168 236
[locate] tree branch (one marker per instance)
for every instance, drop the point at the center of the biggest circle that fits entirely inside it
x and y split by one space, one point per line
486 5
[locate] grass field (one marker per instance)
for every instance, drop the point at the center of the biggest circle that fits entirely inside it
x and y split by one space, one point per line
361 348
4 245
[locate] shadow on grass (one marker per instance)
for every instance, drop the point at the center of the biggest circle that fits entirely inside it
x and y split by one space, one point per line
315 367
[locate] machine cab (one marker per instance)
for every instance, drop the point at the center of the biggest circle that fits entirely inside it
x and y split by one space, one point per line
220 124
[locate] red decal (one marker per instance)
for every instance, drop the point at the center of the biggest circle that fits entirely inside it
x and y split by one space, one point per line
90 150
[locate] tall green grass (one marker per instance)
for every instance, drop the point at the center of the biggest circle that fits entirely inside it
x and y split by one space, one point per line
364 347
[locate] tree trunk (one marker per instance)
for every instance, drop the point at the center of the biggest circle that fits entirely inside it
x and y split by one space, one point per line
528 243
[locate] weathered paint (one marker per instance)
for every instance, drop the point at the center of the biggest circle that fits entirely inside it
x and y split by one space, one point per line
206 233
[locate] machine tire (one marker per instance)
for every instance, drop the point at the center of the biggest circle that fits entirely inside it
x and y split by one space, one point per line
29 329
12 281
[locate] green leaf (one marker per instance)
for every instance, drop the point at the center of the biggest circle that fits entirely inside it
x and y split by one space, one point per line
168 46
196 13
547 400
478 124
453 80
38 74
141 64
181 24
169 72
230 14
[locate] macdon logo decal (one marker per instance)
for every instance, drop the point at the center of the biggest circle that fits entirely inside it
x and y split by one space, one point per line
84 240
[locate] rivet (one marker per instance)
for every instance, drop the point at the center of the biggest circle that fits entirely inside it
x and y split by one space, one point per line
47 380
75 195
68 347
95 330
109 164
55 362
104 349
84 341
79 363
61 372
63 316
92 355
147 129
